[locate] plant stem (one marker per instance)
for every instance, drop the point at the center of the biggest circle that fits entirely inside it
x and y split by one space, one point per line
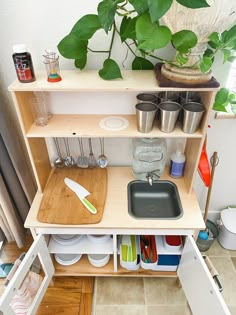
112 40
98 51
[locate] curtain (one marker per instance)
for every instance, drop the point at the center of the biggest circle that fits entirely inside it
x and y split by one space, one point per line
14 205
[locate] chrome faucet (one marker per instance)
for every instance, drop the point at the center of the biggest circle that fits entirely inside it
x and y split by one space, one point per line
150 176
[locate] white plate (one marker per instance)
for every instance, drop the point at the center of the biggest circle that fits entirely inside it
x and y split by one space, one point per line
114 123
67 259
67 239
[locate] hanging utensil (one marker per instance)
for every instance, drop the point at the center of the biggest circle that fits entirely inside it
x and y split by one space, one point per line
91 159
69 160
102 159
82 159
59 161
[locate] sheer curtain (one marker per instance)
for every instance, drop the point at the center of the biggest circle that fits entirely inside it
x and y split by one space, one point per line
14 205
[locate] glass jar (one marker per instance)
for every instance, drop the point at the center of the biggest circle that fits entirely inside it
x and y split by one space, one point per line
149 155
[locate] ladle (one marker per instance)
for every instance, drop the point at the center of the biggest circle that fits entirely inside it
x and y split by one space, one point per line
59 161
82 159
69 160
102 159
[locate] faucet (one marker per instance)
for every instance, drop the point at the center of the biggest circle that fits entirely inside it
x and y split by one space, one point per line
150 176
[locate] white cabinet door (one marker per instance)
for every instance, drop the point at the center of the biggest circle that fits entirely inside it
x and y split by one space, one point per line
39 248
199 287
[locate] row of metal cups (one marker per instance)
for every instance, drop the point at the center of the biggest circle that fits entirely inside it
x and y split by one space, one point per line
170 106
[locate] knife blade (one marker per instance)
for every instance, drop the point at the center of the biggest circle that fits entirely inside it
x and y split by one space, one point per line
81 193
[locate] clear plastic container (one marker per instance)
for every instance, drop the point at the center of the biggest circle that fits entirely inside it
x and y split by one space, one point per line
149 155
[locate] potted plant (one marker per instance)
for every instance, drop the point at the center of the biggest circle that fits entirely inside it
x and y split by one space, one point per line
138 24
225 101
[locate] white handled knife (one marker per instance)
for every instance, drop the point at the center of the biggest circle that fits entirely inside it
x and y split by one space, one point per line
81 193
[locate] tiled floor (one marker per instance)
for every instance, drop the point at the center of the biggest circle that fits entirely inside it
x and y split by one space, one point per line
162 296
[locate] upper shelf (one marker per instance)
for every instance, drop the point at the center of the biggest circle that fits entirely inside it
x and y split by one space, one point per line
89 126
89 80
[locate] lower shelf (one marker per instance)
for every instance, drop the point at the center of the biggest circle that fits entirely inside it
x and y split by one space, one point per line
84 268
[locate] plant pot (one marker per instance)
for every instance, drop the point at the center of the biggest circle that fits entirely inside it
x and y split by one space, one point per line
204 21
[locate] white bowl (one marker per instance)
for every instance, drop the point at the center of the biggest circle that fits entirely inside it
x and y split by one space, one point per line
67 259
67 239
98 238
98 260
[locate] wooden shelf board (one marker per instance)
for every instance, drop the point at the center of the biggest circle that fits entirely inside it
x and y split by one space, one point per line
61 125
89 80
84 268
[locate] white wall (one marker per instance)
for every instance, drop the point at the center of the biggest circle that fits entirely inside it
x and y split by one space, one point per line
43 24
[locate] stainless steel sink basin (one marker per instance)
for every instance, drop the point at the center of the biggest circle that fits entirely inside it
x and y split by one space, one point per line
159 201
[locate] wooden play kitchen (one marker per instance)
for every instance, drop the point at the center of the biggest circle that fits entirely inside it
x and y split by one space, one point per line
199 287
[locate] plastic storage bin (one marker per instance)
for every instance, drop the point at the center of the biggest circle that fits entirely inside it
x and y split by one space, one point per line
134 263
148 252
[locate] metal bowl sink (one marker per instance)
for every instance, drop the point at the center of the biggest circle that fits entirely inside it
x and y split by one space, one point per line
159 201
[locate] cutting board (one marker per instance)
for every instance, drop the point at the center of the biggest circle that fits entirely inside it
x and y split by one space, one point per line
60 205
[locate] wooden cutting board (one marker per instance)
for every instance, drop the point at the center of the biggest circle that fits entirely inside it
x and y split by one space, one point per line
60 205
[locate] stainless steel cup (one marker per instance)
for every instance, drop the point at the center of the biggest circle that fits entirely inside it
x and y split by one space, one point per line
193 113
146 97
145 113
168 96
169 113
189 96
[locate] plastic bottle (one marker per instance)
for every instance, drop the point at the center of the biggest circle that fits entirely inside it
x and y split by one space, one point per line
177 164
23 64
149 155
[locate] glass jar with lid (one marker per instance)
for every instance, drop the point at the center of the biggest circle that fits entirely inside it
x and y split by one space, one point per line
149 156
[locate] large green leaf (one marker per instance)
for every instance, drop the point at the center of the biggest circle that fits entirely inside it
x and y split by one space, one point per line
86 26
157 8
110 70
140 6
106 13
72 48
193 4
81 62
127 28
220 107
221 100
230 35
184 40
205 64
226 54
214 38
150 35
222 96
140 63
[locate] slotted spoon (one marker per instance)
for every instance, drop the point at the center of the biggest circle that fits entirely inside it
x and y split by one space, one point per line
91 159
82 159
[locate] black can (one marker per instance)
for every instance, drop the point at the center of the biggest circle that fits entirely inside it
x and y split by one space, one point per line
23 64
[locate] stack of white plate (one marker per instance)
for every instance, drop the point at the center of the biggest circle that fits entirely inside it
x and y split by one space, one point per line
67 239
